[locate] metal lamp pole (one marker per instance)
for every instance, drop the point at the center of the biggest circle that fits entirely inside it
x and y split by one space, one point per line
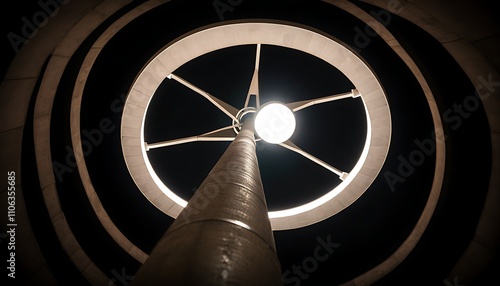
223 236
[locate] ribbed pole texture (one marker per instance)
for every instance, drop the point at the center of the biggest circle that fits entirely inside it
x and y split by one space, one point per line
223 236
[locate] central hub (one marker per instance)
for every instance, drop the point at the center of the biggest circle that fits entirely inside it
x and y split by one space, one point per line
274 122
240 117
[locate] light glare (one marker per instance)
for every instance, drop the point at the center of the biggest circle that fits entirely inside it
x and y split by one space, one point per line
274 123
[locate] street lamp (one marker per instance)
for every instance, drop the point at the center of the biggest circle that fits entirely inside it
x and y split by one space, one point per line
164 65
223 235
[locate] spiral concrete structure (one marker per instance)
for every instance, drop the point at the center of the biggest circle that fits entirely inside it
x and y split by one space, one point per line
70 231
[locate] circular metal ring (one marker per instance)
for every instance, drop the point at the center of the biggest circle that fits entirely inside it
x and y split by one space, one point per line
285 35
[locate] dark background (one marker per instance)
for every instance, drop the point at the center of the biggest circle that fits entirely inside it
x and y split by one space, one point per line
368 231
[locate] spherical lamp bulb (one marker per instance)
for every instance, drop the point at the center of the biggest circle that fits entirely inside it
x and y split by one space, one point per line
274 122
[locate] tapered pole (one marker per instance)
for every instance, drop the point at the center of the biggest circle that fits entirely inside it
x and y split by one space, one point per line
223 236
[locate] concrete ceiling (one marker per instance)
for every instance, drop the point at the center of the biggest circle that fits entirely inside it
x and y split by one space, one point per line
431 216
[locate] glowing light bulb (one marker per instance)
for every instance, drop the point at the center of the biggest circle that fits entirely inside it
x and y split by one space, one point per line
274 123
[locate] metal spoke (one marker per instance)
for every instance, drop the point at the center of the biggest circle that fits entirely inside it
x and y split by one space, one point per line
290 146
222 134
226 108
296 106
254 85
